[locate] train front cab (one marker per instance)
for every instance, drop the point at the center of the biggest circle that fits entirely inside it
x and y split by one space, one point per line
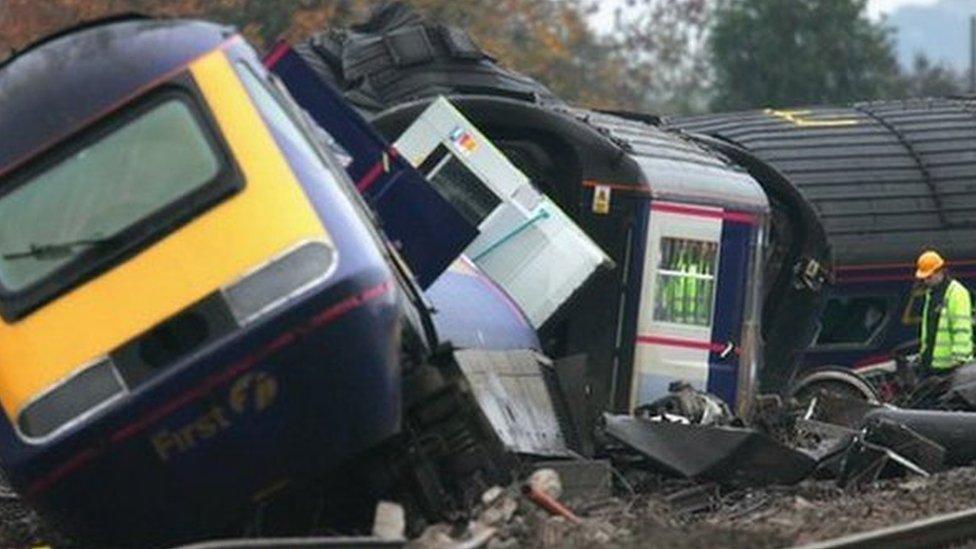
196 310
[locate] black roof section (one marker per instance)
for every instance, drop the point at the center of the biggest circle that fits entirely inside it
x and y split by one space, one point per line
674 166
396 57
887 178
393 64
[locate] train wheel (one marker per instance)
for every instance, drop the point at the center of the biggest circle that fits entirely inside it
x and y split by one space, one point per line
835 395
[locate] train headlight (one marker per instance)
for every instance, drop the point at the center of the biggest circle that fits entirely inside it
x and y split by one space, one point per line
85 392
100 383
279 280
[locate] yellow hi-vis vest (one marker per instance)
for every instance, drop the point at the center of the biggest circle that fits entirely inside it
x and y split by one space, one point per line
954 329
683 292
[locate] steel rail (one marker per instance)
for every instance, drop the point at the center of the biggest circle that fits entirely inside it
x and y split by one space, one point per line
937 531
298 543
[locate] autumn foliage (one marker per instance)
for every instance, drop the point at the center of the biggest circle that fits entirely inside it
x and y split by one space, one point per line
549 40
670 56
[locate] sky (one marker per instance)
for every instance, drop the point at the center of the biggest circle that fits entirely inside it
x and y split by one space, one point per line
877 7
604 18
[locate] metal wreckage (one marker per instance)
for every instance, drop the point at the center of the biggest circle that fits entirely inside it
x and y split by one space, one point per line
376 265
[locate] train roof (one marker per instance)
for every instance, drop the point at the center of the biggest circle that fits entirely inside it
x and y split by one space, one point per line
629 154
59 85
393 65
675 167
887 178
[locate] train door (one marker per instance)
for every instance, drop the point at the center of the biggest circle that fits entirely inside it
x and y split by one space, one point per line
695 293
527 244
428 232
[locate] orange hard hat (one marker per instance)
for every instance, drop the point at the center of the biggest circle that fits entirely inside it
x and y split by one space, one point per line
928 264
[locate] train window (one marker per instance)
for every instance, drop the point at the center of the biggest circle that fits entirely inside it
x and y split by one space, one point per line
128 179
458 185
852 320
464 190
686 281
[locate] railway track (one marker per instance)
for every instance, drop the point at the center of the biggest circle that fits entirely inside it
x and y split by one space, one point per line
948 530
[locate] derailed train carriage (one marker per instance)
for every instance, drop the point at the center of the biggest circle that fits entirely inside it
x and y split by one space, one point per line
176 337
203 328
889 179
669 210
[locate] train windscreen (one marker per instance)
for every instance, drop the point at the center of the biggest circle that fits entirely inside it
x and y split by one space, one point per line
121 182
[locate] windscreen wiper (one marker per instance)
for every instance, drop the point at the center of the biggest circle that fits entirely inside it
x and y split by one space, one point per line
58 250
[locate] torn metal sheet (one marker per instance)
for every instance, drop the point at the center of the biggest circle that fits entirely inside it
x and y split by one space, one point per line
833 442
863 463
730 455
885 448
954 431
960 397
522 232
512 389
830 461
581 412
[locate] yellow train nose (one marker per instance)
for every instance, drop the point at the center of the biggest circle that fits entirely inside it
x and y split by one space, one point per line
269 215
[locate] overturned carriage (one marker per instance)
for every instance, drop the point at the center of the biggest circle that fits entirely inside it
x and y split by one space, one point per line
889 179
690 226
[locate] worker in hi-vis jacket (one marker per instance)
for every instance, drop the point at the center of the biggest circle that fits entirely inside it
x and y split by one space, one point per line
946 334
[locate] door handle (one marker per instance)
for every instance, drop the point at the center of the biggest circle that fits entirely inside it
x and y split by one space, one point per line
729 348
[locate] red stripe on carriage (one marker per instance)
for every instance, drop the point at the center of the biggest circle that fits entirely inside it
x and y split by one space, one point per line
382 166
725 215
280 50
684 343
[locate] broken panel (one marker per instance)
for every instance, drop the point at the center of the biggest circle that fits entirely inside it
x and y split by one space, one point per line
884 448
513 391
730 455
954 431
523 234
